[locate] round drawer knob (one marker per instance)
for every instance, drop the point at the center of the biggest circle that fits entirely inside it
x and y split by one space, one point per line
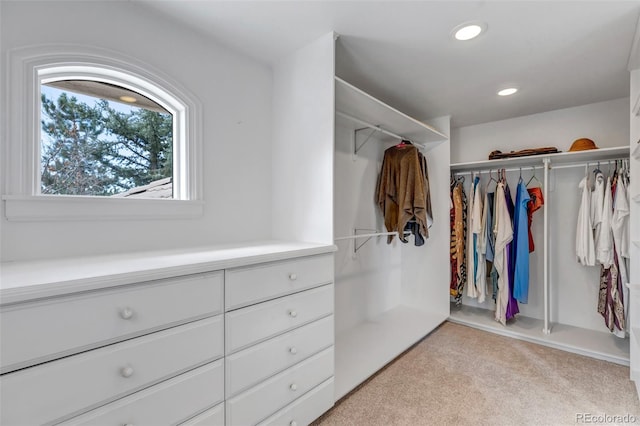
126 372
293 314
293 277
293 423
293 350
128 424
293 387
126 313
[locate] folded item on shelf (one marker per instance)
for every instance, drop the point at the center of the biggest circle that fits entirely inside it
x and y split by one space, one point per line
496 155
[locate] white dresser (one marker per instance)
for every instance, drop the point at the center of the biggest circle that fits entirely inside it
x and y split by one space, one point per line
279 338
220 336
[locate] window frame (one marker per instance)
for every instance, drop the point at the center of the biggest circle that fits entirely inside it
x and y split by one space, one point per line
27 69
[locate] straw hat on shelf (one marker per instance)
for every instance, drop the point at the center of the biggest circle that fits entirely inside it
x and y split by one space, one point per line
582 144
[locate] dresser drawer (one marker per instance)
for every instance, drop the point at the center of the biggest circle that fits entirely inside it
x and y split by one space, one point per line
305 409
256 363
168 402
259 402
211 417
67 386
248 285
258 322
41 331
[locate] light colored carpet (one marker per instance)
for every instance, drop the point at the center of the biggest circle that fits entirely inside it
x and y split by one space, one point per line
462 376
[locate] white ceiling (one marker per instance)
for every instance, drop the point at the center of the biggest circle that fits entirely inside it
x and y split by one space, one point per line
559 53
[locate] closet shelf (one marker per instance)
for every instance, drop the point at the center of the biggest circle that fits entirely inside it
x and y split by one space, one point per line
602 154
353 102
595 344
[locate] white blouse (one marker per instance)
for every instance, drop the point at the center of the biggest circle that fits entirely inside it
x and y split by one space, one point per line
504 234
597 200
471 279
604 236
479 229
585 247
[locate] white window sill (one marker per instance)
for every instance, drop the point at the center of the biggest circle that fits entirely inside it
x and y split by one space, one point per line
73 208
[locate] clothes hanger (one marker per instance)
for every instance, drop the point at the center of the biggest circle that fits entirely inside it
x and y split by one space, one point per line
403 143
534 177
597 169
520 178
491 179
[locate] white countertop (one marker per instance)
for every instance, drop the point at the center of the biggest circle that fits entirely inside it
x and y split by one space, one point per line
22 281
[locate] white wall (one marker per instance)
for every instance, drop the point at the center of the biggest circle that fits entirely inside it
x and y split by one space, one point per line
634 220
606 123
574 288
235 93
425 271
303 131
635 183
370 282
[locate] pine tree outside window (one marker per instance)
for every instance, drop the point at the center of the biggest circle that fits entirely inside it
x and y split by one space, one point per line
99 139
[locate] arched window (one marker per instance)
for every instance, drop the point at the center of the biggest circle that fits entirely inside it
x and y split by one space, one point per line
103 134
102 129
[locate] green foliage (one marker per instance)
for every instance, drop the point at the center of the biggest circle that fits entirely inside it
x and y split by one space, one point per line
100 151
143 149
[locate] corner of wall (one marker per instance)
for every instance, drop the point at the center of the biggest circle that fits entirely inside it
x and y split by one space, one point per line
634 54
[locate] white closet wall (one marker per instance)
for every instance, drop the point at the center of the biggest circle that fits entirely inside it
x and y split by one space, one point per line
604 122
574 288
422 273
302 154
634 217
369 282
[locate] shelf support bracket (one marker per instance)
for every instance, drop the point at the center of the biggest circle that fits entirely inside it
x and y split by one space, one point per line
357 147
357 246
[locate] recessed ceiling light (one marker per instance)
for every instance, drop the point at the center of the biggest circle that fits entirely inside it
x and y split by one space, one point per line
468 30
507 92
129 99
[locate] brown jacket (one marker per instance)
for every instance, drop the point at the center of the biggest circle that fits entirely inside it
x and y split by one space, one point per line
402 191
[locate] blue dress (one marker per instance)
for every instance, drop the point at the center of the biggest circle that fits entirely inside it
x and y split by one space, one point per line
521 245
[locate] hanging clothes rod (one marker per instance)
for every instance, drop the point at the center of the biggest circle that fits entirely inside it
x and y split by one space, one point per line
486 170
375 234
355 235
586 163
541 166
